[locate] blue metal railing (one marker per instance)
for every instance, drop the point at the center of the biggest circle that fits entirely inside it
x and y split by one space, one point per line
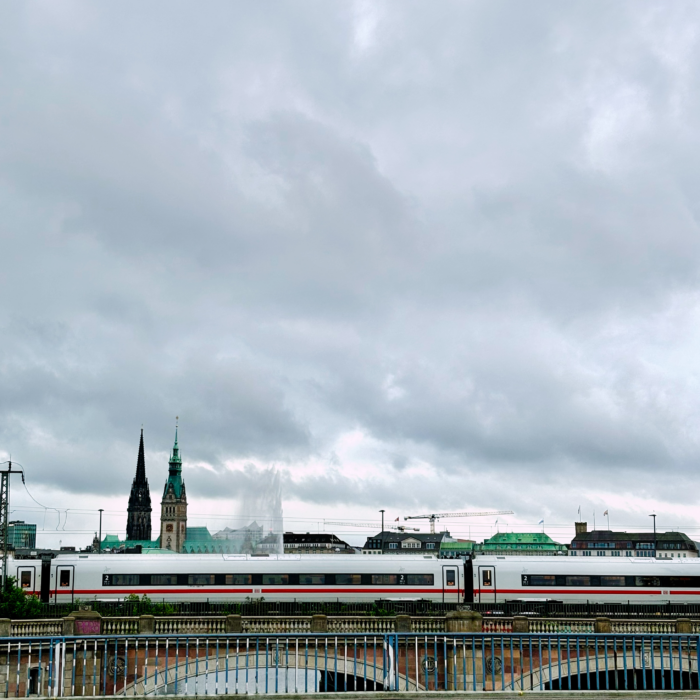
268 664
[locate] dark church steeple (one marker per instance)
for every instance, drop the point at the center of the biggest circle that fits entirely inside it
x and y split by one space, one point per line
138 523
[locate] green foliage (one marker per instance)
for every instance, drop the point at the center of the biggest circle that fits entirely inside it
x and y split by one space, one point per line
16 604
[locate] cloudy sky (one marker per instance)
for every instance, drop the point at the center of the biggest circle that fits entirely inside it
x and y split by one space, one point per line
420 256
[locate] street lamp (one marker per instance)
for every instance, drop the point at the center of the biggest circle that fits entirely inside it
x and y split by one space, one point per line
653 515
382 512
99 546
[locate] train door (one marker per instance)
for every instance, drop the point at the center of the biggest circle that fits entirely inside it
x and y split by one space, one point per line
468 581
64 583
45 580
26 578
487 584
450 584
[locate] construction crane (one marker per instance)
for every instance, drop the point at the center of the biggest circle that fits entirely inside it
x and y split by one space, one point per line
436 516
404 528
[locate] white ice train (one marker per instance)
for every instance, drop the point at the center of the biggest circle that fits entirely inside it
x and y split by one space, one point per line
216 577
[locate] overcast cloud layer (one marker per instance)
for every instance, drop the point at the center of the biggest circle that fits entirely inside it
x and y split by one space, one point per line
416 255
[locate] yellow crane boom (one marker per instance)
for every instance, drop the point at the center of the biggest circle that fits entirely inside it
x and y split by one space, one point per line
436 516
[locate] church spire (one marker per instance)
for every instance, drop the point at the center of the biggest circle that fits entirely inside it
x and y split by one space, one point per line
138 522
175 458
140 464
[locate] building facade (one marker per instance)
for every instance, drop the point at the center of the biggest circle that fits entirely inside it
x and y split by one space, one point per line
521 544
315 543
405 543
138 519
606 543
21 535
173 507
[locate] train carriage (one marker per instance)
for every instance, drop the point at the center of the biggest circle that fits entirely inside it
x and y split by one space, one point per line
573 579
216 577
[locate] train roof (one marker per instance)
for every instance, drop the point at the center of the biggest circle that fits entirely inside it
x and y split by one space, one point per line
71 556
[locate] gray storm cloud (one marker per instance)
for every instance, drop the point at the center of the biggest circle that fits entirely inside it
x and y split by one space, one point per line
468 230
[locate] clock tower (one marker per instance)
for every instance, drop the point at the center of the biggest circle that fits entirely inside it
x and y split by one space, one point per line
173 507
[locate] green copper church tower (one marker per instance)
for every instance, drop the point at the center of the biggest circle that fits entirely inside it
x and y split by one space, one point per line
173 507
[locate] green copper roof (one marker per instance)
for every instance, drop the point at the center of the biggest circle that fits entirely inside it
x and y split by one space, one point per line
175 471
456 546
520 540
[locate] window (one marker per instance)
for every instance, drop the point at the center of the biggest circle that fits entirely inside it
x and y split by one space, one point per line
393 545
613 581
239 579
539 580
451 578
163 580
348 579
410 544
647 581
384 579
64 581
26 579
275 579
200 579
421 580
486 579
312 579
430 545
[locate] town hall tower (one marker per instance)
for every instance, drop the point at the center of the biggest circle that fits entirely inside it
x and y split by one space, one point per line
173 507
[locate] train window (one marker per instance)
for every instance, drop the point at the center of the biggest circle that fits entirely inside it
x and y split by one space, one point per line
612 581
200 579
421 580
275 579
486 579
539 580
451 578
348 579
384 579
578 580
64 581
26 579
646 581
239 579
120 579
163 580
312 579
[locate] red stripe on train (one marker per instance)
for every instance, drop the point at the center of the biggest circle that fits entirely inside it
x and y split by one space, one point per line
263 589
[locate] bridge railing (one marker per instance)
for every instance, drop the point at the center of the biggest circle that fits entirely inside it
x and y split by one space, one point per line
212 624
225 664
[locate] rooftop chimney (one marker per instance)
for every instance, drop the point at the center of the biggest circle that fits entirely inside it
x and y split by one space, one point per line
581 528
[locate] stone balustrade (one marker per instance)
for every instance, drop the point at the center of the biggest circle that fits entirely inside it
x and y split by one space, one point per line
86 623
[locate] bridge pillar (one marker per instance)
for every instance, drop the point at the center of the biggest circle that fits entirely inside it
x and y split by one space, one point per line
5 627
319 623
603 625
147 624
403 623
465 622
521 624
460 622
234 624
684 626
69 626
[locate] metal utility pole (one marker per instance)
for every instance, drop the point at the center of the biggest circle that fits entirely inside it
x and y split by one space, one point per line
99 546
4 513
382 512
653 515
